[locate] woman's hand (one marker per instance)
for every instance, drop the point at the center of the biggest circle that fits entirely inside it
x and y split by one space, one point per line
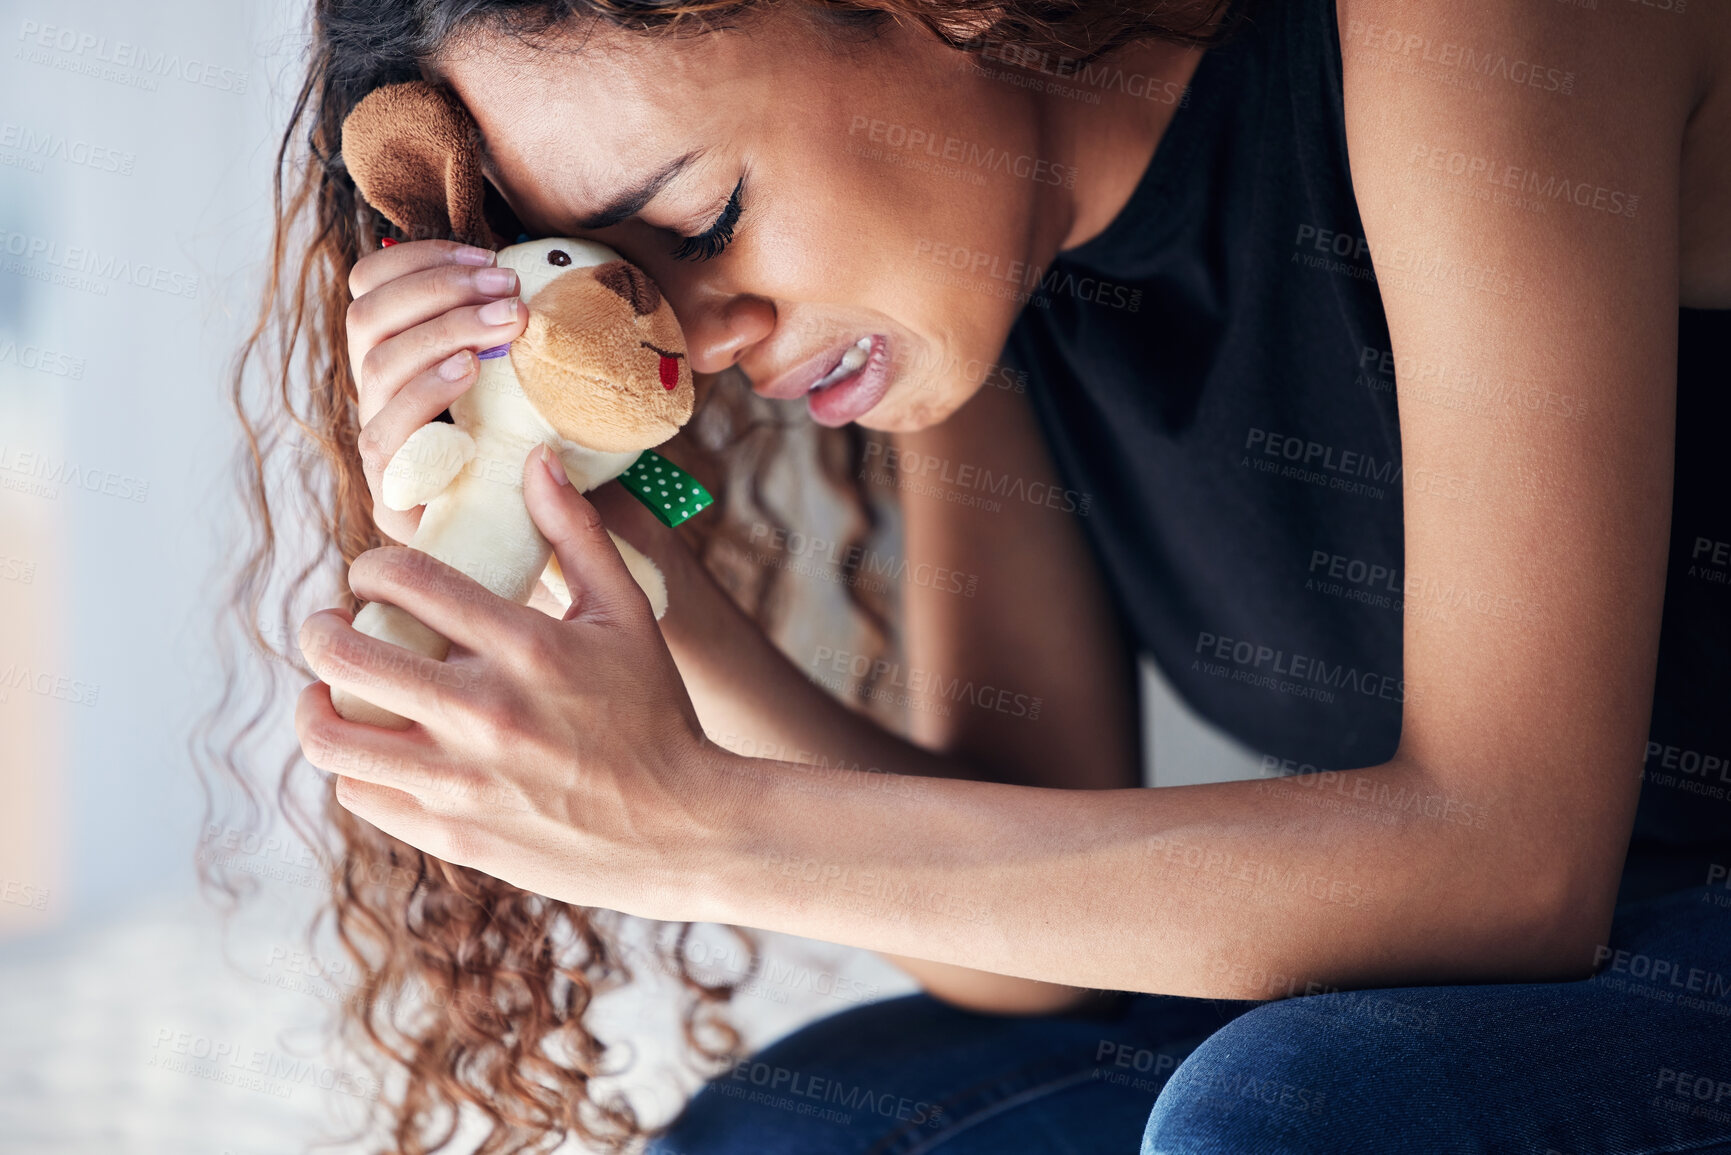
562 756
420 312
742 685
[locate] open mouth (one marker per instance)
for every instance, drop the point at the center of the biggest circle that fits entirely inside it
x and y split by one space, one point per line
858 381
669 365
851 362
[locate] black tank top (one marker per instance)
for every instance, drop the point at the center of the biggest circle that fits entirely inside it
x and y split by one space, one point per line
1213 371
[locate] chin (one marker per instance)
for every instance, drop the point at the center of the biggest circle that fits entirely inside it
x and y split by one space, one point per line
908 408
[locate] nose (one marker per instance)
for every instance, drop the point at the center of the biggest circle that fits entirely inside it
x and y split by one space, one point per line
718 334
632 283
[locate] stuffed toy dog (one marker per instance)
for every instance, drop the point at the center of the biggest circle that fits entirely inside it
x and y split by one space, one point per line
600 376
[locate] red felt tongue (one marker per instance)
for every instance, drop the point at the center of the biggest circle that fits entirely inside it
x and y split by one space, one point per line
669 371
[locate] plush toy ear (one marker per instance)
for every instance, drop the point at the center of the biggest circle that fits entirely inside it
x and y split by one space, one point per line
413 151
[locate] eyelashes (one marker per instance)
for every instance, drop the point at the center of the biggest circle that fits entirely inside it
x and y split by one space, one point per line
713 241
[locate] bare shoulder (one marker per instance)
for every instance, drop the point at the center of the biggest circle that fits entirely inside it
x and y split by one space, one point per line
1565 47
1523 171
1645 84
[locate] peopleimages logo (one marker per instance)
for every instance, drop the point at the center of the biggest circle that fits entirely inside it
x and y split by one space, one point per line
87 53
1094 74
1033 284
865 563
1530 186
817 1089
882 674
23 894
64 688
1301 674
32 146
941 146
884 461
1470 62
252 1068
1297 458
49 361
86 268
42 475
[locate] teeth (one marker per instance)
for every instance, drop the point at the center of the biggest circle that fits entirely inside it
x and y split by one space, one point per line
857 354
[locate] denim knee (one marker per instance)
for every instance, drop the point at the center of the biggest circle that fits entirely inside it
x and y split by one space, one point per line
915 1075
1528 1067
1294 1076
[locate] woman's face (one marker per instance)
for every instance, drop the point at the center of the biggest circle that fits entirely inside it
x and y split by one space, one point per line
869 184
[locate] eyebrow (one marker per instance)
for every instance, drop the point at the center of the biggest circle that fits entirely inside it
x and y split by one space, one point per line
630 202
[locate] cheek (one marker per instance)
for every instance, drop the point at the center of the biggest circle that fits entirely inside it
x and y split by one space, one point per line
940 256
837 212
959 314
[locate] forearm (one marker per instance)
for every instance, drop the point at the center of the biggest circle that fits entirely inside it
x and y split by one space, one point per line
751 699
1232 890
785 719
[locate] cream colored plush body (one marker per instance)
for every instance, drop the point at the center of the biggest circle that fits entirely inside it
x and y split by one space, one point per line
469 475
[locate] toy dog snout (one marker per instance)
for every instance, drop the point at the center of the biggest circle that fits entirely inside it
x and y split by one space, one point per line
603 358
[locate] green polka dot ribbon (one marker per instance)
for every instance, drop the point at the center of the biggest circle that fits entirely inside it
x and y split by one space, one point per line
671 494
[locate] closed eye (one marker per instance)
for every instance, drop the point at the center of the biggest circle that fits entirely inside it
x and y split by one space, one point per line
713 241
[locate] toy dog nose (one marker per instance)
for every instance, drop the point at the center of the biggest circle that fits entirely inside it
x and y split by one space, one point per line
632 283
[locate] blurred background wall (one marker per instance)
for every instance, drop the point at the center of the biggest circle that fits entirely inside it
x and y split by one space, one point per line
133 208
136 146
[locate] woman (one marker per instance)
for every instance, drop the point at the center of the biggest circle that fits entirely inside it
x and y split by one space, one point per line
1213 247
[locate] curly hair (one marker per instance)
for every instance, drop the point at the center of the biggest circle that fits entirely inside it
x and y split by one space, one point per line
473 989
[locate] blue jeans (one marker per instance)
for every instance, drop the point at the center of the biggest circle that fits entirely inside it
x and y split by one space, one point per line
1636 1059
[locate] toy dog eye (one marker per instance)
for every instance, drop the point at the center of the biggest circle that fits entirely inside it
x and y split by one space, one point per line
558 257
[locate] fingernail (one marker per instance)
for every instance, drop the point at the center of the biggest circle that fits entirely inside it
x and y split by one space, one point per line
496 281
499 312
456 366
470 255
555 467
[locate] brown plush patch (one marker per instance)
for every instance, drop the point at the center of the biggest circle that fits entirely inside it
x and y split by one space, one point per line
631 283
583 326
412 150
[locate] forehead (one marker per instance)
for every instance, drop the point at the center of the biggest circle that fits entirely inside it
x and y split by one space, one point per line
570 118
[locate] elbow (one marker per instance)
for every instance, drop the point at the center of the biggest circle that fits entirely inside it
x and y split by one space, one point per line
983 992
1032 1000
1559 933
